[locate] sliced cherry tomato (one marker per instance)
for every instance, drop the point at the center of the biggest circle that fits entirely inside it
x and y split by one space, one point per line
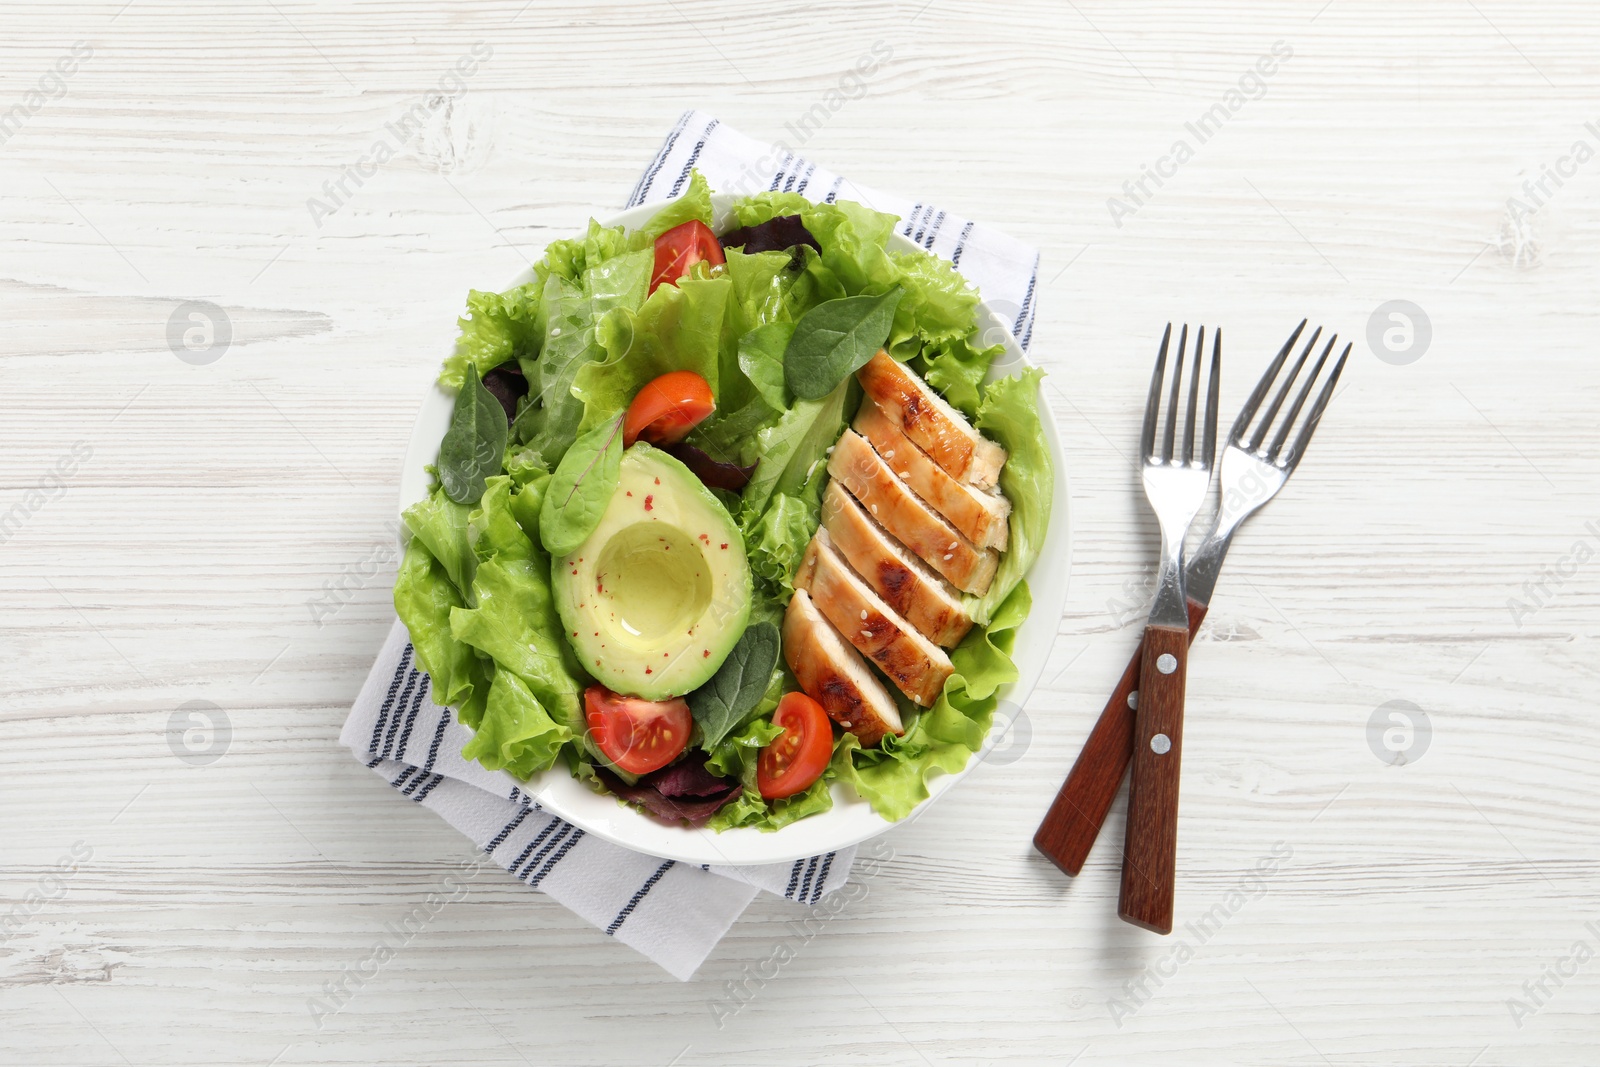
667 408
637 735
681 248
799 755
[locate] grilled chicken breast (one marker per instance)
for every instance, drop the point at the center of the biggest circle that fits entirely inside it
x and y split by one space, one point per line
911 661
834 674
904 582
904 514
933 425
982 517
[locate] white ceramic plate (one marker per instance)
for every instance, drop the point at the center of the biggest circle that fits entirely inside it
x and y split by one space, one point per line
851 820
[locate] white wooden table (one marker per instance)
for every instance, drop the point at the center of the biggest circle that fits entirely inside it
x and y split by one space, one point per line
1425 913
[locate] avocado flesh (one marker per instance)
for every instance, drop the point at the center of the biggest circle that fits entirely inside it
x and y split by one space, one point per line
659 594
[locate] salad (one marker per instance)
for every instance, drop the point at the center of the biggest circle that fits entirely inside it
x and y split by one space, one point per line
722 519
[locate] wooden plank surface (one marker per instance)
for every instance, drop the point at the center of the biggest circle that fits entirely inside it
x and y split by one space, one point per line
1407 911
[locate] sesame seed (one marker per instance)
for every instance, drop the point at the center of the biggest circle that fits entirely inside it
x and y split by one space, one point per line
889 454
845 725
866 633
949 555
863 614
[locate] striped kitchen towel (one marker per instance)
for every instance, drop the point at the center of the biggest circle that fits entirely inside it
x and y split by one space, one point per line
1005 270
674 913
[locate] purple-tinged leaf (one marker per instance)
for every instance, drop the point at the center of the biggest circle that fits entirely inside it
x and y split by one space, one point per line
715 473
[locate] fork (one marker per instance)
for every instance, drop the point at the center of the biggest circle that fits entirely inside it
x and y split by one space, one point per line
1250 476
1175 482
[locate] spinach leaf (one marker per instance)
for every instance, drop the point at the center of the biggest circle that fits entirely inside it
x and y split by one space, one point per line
834 338
580 488
761 354
473 446
738 686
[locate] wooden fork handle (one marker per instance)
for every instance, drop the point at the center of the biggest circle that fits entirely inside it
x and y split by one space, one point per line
1150 852
1073 822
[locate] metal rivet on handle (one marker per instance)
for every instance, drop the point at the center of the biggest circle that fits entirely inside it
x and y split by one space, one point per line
1166 663
1133 700
1161 744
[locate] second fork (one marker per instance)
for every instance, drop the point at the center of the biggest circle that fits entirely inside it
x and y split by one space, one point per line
1176 478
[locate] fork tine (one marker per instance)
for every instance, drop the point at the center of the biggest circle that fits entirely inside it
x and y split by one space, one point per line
1152 405
1194 396
1299 401
1316 412
1210 446
1283 393
1172 404
1248 412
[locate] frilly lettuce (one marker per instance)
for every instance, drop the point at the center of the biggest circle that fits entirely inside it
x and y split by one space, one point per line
516 733
694 203
1009 414
423 597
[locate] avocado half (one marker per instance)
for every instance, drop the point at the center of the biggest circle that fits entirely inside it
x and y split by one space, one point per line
659 594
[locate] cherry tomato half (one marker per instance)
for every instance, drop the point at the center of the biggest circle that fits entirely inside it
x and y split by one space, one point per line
637 735
681 248
667 408
799 755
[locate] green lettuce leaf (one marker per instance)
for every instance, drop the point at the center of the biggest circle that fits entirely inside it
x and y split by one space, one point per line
762 283
441 525
516 733
571 257
1009 414
938 304
492 527
735 757
514 621
498 327
423 598
693 203
777 540
772 815
956 369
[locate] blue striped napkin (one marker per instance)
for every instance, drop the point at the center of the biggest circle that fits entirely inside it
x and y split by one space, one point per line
674 913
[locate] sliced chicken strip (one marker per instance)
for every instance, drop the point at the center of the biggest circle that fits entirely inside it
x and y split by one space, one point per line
904 582
937 428
982 517
904 514
834 674
912 662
